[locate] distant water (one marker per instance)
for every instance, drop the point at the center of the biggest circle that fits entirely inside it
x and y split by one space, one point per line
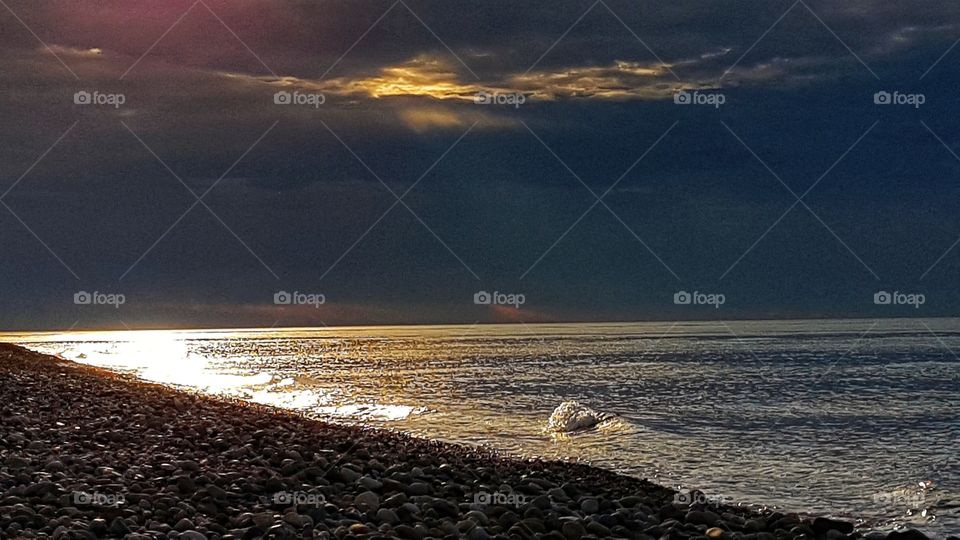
856 418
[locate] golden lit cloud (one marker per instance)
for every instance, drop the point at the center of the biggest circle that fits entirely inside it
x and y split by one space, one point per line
437 78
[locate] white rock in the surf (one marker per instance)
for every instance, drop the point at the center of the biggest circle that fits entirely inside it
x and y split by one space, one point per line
573 416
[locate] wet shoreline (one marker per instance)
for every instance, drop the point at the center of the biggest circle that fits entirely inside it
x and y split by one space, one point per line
88 453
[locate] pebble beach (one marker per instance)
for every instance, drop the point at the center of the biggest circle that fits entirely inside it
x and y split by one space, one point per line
88 453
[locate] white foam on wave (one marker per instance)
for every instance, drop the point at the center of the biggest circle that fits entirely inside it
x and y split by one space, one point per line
572 416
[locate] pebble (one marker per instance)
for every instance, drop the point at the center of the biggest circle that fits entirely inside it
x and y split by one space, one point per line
573 530
371 484
590 506
367 501
418 488
702 517
349 475
385 515
477 533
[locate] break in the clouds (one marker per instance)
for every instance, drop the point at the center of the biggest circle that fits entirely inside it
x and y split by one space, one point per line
500 196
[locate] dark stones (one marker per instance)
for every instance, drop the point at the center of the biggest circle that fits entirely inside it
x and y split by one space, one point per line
573 530
821 525
909 534
702 517
193 468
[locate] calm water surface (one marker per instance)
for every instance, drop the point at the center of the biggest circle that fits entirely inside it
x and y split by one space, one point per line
855 418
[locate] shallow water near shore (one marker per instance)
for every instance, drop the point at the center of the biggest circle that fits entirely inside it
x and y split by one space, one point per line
854 418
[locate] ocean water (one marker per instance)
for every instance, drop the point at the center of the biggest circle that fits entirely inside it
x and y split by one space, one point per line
858 419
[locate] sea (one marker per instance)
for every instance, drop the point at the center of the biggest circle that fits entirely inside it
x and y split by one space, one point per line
856 419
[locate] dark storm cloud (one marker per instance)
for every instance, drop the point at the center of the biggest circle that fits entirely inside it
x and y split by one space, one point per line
300 211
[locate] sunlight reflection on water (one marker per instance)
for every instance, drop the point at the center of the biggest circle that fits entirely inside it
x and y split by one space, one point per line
814 415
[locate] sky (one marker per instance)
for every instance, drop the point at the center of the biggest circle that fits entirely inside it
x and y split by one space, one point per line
212 163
